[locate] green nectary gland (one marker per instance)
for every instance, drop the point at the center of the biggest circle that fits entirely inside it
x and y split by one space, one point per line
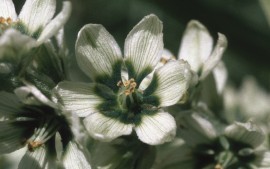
21 28
130 106
126 108
215 154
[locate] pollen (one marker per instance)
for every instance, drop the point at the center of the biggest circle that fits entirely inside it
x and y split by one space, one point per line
5 21
163 61
32 145
218 166
129 86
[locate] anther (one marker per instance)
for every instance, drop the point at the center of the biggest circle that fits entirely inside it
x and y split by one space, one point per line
5 21
163 61
32 145
129 86
2 20
9 20
218 166
120 83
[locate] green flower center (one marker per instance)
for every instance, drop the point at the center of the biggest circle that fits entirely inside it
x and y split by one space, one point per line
131 102
129 98
42 123
223 153
6 23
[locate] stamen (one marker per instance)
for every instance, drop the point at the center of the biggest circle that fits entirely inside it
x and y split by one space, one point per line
9 20
163 61
32 145
6 21
218 166
2 20
120 83
129 86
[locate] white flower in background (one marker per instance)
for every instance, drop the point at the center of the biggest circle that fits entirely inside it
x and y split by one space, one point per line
34 122
204 146
197 49
115 104
250 102
34 25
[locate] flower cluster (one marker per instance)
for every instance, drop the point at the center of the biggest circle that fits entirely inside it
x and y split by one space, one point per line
143 109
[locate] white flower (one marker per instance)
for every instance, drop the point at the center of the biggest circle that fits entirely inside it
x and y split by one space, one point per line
197 48
35 124
115 104
204 146
250 102
35 21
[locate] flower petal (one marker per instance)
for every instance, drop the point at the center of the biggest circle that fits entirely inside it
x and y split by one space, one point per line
7 9
196 45
156 129
165 57
143 47
39 158
75 158
215 56
173 155
9 104
13 43
220 74
29 94
98 54
196 129
169 83
262 160
15 137
83 98
36 14
56 24
106 128
248 133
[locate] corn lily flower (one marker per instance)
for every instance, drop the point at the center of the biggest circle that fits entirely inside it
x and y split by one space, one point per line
197 49
33 25
28 119
204 145
115 104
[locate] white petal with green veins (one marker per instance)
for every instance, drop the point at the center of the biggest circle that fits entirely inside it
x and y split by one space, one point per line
56 24
215 56
262 159
196 129
75 158
196 45
9 104
156 129
143 47
97 51
170 82
247 133
106 128
38 159
79 98
35 14
12 136
7 9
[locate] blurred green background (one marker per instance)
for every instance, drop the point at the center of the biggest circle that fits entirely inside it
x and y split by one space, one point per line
242 21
